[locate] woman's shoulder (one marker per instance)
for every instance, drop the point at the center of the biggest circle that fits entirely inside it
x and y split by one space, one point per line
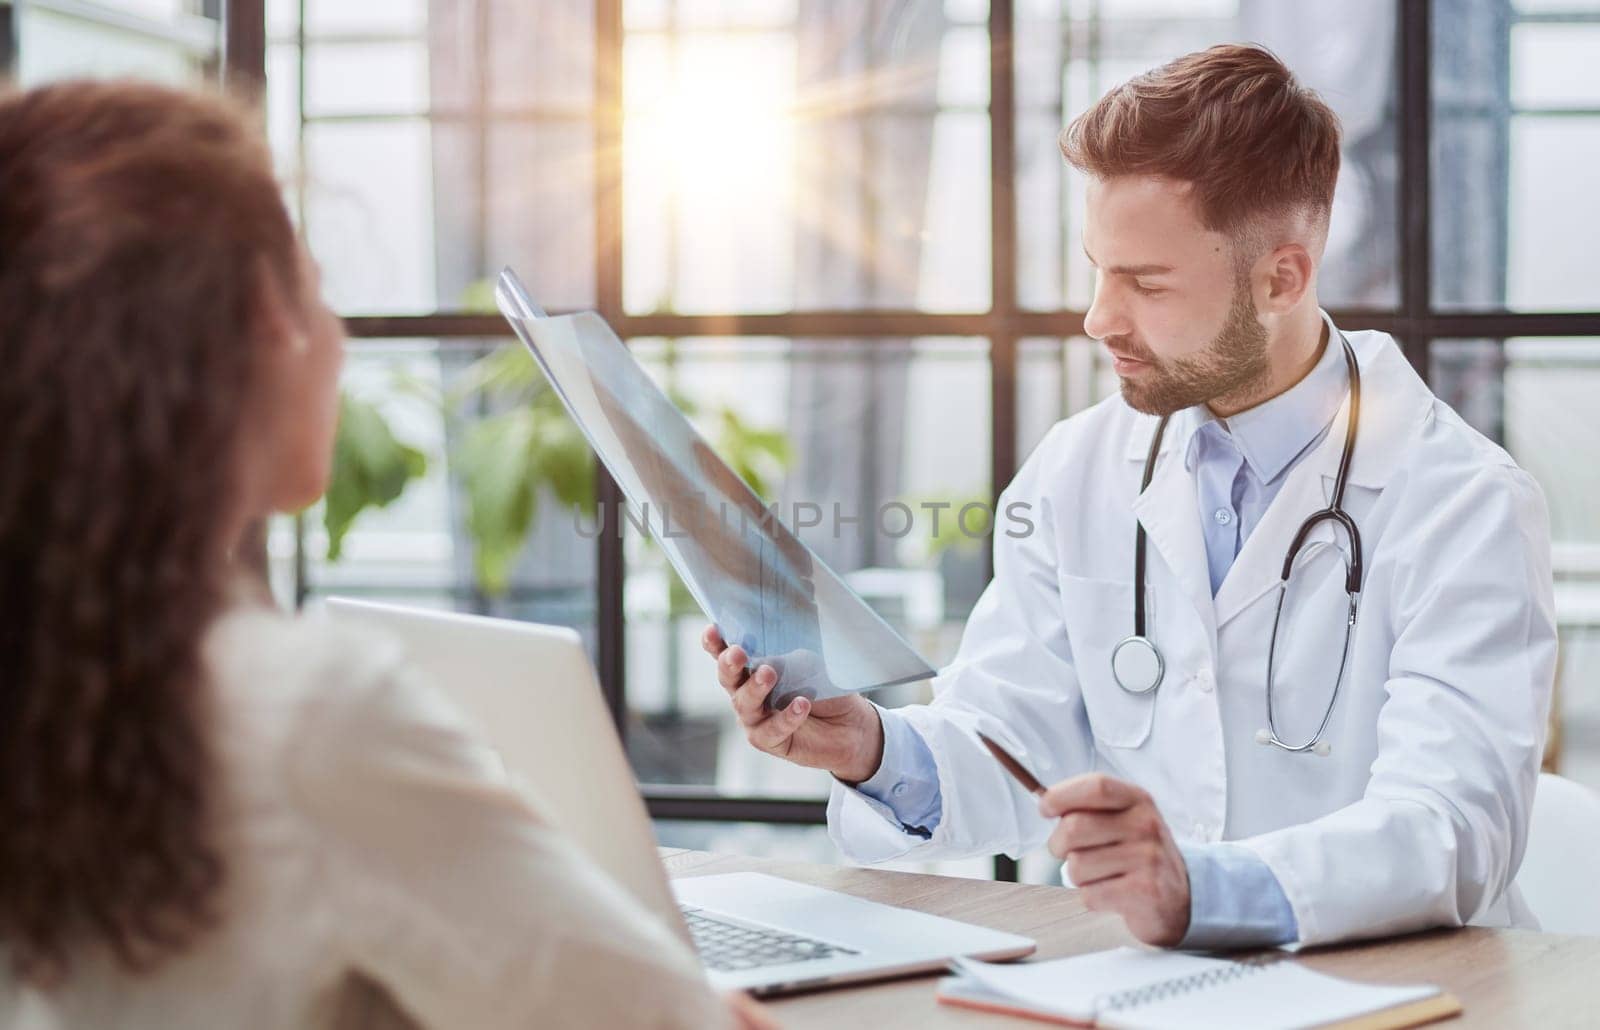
334 713
303 695
261 656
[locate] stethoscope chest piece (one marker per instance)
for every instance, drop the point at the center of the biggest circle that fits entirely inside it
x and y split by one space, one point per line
1137 665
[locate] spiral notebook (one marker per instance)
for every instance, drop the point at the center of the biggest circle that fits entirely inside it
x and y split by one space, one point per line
1134 989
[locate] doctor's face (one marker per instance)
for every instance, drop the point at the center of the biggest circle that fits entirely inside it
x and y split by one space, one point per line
1170 303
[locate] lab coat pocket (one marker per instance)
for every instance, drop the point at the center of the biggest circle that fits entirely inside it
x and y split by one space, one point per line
1099 614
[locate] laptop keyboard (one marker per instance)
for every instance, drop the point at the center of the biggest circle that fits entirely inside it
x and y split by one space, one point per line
727 946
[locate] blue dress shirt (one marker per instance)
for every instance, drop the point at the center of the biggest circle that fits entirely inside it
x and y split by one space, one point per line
1239 465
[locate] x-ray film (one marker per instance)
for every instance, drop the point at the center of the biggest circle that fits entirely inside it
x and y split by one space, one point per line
765 590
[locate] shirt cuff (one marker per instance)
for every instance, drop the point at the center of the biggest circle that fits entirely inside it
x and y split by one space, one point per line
1235 901
906 785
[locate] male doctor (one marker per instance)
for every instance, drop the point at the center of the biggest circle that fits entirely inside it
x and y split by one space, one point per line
1210 185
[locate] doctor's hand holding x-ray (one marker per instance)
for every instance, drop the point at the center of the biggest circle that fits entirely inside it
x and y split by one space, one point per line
1231 760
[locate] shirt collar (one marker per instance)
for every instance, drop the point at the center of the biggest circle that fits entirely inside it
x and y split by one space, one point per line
1272 434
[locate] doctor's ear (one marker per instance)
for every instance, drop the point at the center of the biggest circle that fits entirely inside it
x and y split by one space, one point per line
1281 278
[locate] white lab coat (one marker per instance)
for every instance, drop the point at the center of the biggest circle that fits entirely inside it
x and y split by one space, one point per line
1419 816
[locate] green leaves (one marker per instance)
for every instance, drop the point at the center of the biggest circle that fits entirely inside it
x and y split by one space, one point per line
946 529
758 455
524 452
478 296
505 461
505 375
370 469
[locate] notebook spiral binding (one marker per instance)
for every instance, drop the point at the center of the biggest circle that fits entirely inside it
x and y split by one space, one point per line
1180 985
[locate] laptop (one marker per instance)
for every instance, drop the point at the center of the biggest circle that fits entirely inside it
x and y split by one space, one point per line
531 692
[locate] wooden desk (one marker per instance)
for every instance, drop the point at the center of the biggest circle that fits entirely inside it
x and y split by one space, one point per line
1504 978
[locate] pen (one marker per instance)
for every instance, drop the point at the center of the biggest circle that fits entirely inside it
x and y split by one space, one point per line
1012 766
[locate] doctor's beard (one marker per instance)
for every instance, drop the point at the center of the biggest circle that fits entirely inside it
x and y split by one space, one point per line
1233 364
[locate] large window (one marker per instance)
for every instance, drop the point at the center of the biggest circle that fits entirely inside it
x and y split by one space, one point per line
842 235
175 41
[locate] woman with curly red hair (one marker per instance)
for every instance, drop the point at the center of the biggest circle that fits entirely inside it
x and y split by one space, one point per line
213 813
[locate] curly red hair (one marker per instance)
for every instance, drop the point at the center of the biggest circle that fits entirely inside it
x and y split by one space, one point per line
137 222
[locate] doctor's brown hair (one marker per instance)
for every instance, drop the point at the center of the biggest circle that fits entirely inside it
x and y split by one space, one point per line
139 226
1233 121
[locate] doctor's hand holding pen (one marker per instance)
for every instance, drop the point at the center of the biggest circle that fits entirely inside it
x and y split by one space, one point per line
1120 854
1116 846
842 735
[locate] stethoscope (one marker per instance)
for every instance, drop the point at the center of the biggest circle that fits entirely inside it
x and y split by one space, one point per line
1136 662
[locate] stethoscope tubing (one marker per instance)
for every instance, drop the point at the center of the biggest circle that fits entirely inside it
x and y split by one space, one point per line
1142 652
